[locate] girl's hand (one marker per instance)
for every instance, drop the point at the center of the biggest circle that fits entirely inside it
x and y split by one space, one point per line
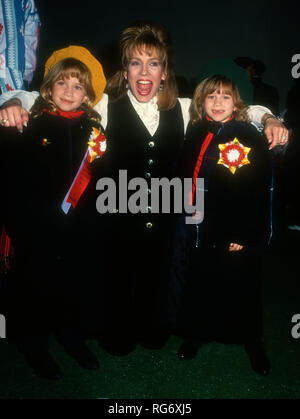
13 115
275 131
234 247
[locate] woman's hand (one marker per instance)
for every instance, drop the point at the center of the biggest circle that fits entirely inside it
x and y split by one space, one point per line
275 131
13 115
234 247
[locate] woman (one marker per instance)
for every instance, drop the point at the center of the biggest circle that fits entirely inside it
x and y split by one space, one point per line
145 128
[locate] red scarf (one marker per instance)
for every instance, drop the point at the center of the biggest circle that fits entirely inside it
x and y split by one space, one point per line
67 114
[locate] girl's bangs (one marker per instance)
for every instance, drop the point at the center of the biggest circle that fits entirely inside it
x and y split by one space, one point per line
71 72
219 86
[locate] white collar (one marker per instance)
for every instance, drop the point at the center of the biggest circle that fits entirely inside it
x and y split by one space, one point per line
147 107
148 112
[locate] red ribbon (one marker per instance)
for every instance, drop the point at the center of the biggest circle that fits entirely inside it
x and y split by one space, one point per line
67 114
6 251
203 149
81 182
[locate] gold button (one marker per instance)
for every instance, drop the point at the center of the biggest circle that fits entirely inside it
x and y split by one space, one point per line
151 144
149 225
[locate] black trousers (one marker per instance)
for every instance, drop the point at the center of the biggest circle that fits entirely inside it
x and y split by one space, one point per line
222 296
136 285
54 287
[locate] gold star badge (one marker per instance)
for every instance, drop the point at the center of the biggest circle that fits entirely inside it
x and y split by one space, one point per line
233 155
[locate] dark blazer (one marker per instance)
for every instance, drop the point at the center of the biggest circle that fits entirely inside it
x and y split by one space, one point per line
56 276
38 167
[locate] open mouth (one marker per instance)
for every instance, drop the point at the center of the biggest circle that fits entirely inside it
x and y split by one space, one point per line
144 87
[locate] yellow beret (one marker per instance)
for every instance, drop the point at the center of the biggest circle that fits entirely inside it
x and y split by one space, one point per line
83 55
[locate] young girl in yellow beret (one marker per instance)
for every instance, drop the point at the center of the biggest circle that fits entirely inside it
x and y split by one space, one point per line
48 172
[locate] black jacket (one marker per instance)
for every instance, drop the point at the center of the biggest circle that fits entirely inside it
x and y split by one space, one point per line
37 169
237 206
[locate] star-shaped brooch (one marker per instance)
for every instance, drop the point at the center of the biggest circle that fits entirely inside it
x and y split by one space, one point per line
233 155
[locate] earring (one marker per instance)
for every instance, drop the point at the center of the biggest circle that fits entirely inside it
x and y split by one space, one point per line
161 86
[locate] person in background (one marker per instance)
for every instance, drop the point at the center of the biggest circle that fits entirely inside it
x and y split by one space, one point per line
19 36
290 165
263 93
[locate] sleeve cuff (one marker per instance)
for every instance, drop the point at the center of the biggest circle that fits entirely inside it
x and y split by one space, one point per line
255 113
27 98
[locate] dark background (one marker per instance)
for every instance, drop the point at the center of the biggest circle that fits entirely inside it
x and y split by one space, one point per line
201 30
